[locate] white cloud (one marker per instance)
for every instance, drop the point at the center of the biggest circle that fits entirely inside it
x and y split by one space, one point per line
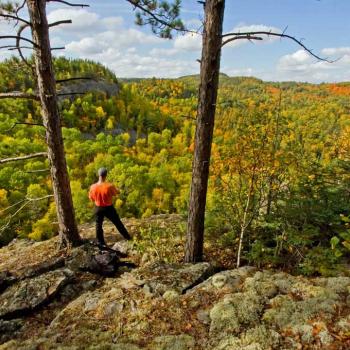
81 20
232 72
336 51
301 66
188 42
193 24
159 52
132 64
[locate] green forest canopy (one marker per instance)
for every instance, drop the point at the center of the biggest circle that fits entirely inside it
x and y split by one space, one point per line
280 153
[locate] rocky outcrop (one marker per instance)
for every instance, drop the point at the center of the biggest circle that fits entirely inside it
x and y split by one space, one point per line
70 89
161 306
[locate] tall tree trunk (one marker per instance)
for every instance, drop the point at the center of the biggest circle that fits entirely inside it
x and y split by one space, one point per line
209 80
51 119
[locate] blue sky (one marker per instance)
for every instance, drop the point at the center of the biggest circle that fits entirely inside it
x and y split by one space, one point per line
105 32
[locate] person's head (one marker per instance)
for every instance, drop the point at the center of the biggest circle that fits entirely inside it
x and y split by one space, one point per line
102 173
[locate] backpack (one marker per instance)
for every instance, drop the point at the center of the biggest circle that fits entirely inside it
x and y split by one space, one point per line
104 263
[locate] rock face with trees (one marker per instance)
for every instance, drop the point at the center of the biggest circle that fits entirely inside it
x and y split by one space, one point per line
50 302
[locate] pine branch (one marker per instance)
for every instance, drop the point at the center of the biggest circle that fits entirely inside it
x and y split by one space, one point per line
28 156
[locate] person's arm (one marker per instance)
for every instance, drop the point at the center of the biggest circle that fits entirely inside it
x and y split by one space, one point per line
92 194
114 191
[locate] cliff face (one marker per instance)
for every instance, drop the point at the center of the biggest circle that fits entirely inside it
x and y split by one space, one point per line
49 301
84 86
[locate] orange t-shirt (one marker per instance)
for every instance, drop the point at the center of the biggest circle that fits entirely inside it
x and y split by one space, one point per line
102 193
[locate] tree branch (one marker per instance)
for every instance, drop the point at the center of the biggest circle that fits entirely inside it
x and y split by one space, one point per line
13 47
26 202
248 37
280 35
68 3
20 123
37 171
16 37
20 30
28 156
6 16
136 4
66 21
17 94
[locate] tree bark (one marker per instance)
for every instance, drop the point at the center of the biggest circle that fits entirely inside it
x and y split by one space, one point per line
51 120
209 80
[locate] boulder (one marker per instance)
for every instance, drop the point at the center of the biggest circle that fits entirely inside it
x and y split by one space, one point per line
26 295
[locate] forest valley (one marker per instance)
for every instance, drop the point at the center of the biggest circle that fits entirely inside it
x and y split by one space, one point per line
279 172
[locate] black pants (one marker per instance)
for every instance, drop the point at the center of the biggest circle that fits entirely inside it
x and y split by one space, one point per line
111 214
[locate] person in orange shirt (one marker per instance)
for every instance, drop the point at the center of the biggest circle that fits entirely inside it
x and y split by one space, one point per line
102 194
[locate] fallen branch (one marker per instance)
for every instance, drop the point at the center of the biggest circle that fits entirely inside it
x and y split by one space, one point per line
28 156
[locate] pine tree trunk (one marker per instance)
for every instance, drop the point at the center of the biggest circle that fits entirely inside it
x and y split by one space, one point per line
209 80
51 119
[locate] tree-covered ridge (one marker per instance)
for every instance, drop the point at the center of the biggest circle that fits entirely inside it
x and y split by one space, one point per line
279 172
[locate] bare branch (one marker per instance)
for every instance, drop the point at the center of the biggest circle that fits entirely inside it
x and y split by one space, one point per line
37 171
280 35
66 21
18 94
26 202
16 37
28 156
68 3
57 48
20 7
20 30
6 16
247 37
13 47
20 123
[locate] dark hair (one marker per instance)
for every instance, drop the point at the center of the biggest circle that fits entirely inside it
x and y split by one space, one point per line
102 172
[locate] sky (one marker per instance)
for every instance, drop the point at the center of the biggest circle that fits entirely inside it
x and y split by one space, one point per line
105 32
